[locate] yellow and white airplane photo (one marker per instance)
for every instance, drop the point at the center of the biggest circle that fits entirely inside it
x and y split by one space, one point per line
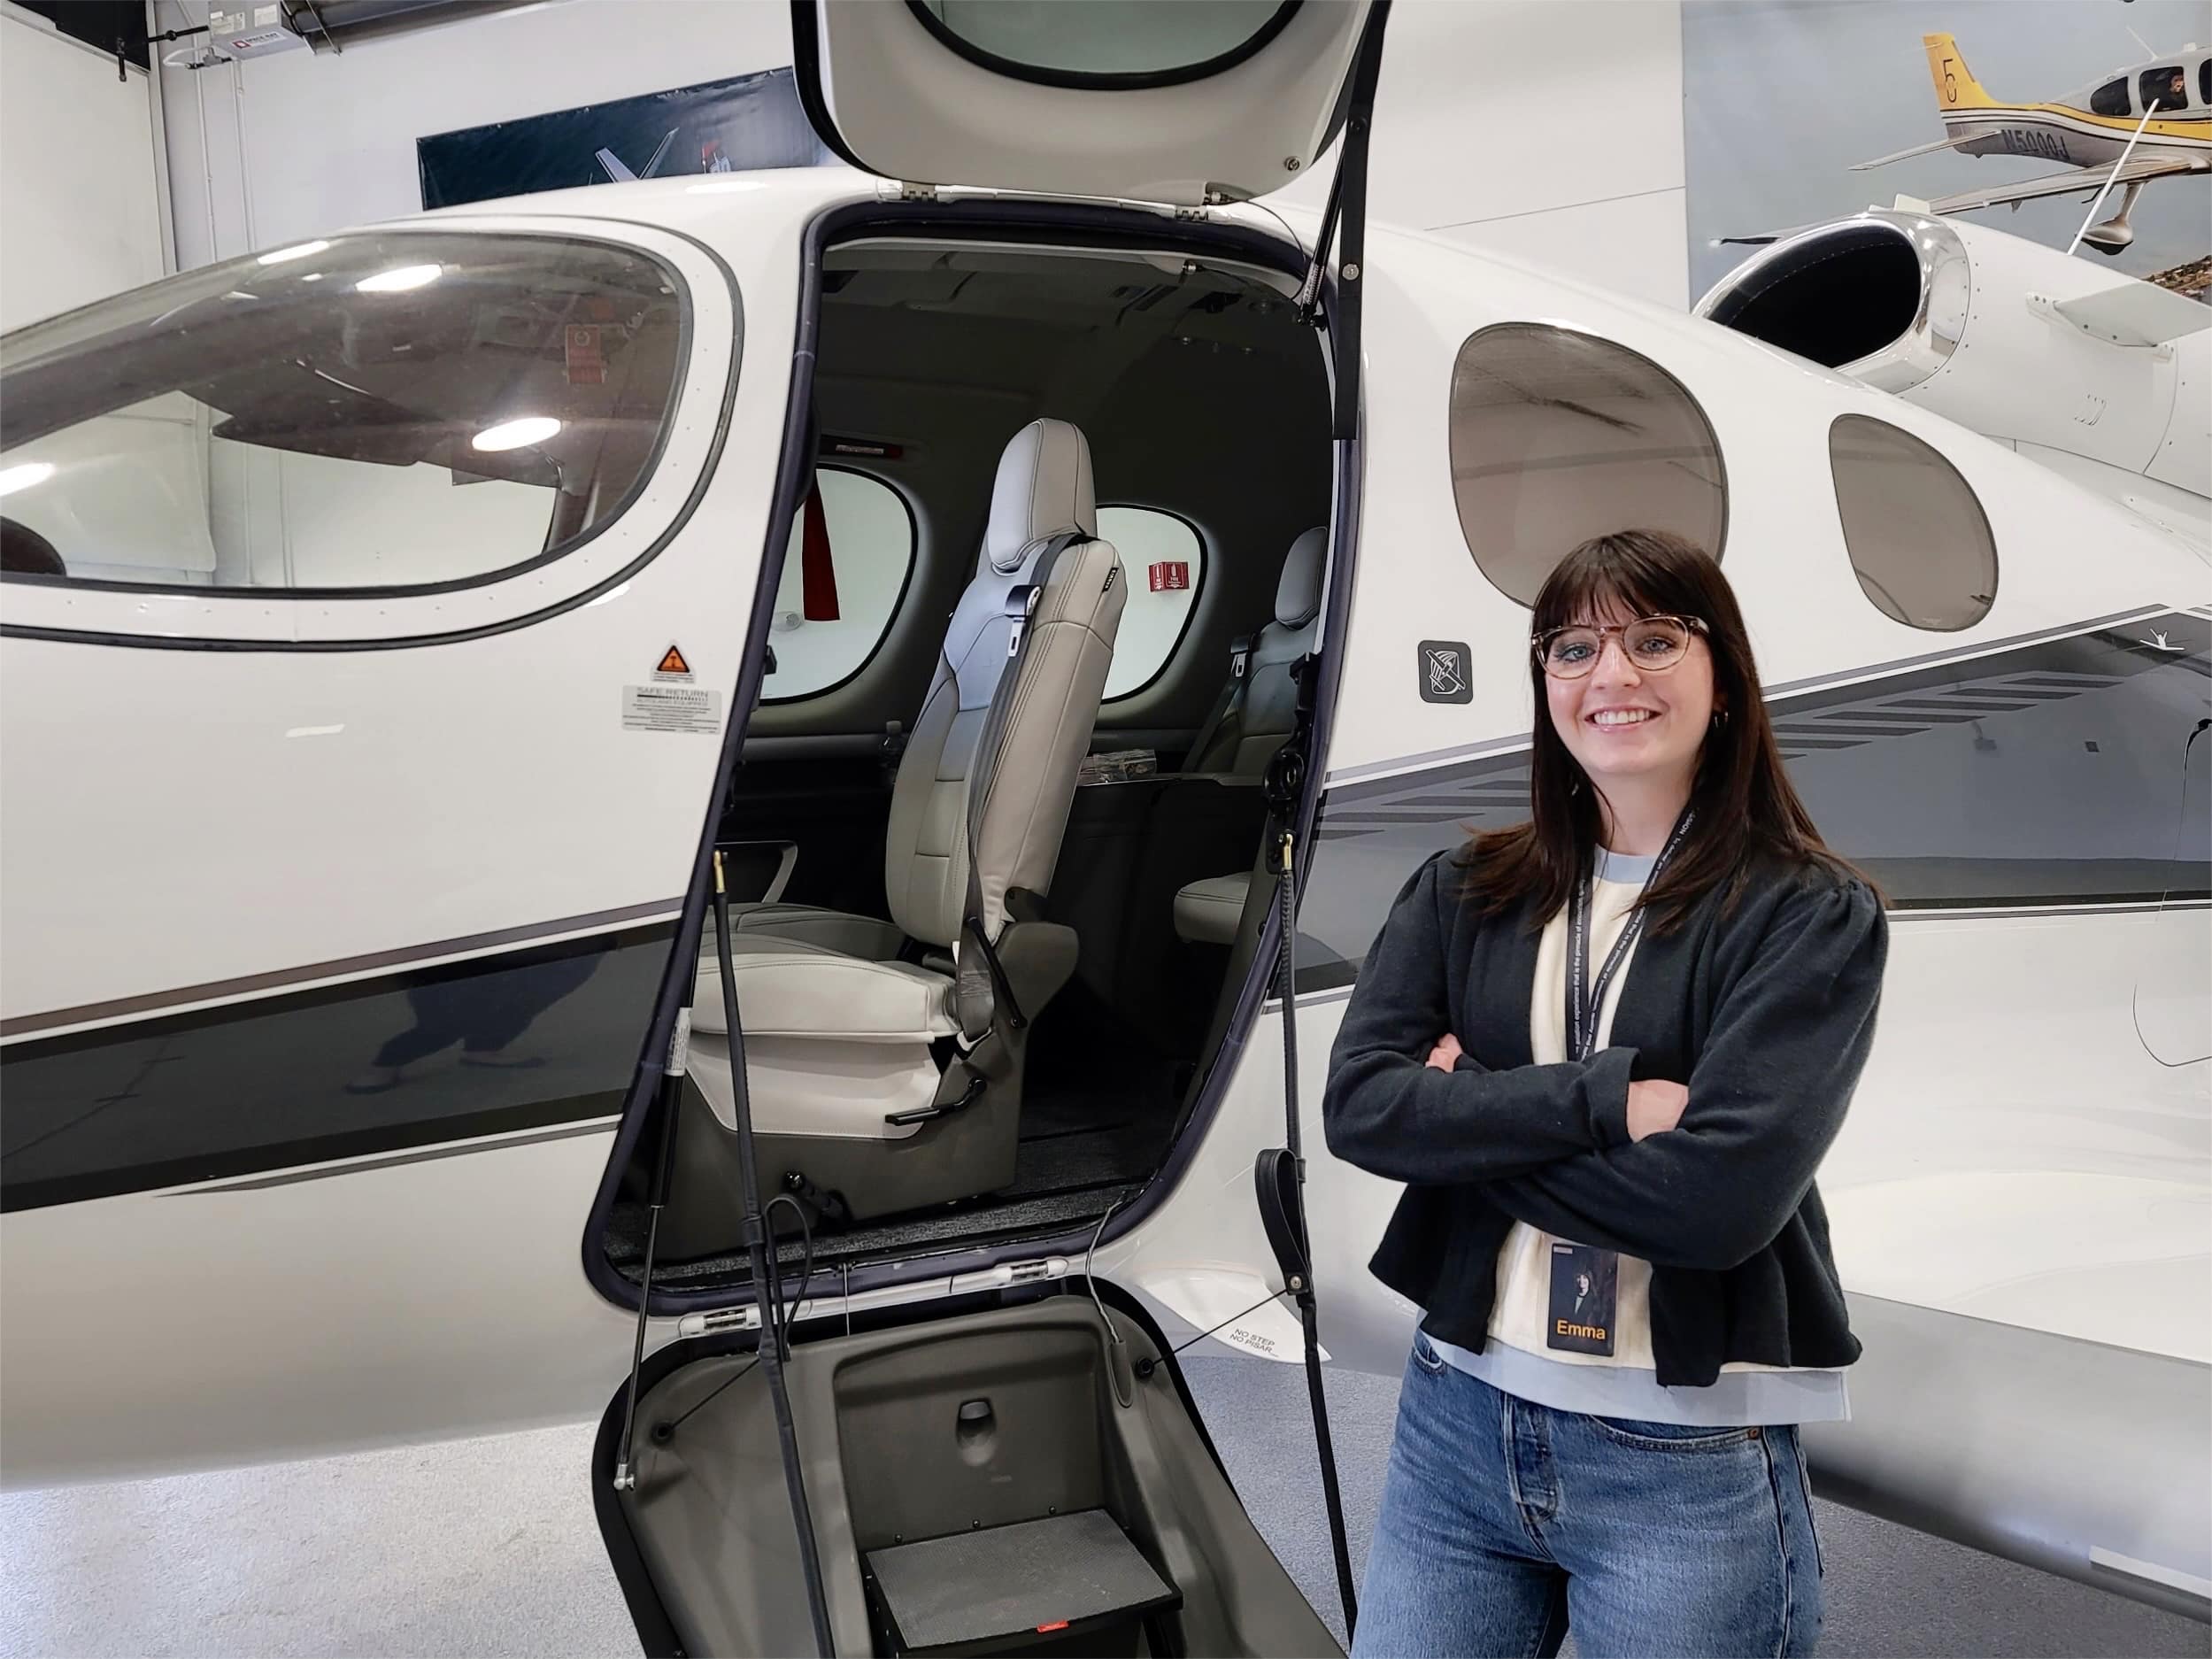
2149 120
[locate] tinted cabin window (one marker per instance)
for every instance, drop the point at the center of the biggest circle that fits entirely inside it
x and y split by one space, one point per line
1917 537
1163 562
2204 83
2111 98
851 550
2165 88
392 411
1558 436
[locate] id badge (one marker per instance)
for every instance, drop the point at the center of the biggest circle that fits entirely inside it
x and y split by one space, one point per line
1585 1282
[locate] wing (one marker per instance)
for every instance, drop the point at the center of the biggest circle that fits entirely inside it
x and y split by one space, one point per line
616 171
1906 155
2083 181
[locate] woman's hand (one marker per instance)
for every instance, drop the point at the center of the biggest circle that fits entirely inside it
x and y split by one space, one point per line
1445 1055
1654 1106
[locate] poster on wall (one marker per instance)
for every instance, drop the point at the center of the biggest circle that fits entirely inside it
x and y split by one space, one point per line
736 125
1800 112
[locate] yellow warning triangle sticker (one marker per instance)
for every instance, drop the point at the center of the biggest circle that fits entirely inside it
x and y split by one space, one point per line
673 663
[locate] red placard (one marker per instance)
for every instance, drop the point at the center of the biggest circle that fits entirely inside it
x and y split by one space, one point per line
1170 575
586 364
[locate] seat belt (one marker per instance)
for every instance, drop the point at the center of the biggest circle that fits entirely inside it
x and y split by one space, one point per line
1230 702
1279 1174
979 984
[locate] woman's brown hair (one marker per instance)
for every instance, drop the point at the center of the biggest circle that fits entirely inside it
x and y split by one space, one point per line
1742 795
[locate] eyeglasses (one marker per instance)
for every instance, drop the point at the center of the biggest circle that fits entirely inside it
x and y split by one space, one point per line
1652 643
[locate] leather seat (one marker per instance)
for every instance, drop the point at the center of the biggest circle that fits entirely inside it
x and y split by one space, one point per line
880 1083
1255 715
1258 708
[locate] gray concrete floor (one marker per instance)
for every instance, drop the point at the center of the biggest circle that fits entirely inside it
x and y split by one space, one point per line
488 1547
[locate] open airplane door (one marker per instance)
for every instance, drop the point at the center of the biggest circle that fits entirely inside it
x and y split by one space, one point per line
1202 101
1007 1459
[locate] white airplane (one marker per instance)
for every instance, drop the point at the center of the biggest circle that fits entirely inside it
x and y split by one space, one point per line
357 837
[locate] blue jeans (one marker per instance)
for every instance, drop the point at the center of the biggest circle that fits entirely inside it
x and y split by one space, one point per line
1504 1522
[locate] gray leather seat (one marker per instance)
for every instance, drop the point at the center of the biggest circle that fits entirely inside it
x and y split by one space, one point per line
1255 715
889 1084
1258 709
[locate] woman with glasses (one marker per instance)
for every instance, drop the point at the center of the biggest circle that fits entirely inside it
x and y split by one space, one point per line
1606 1051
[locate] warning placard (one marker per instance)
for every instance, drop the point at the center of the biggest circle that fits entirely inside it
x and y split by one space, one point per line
672 668
1170 575
671 708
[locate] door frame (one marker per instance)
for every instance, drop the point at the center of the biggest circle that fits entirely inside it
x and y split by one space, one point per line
1054 224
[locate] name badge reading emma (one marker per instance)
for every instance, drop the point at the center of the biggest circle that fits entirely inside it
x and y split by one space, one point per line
1584 1283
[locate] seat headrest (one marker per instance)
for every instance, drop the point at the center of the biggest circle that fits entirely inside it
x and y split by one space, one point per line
1298 595
1043 488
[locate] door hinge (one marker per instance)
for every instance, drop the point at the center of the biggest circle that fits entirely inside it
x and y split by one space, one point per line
911 192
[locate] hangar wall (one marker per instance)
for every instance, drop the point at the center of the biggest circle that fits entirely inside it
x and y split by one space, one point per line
1582 168
77 197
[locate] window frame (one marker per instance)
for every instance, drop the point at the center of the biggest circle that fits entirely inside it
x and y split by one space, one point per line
688 451
1190 617
1988 534
1719 550
898 602
2145 100
414 589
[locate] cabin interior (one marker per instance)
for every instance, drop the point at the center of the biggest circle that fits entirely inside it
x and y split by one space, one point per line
1203 401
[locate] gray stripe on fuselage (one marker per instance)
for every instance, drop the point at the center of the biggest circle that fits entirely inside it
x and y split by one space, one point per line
293 978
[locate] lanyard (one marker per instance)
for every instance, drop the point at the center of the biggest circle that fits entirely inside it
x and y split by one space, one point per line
1583 999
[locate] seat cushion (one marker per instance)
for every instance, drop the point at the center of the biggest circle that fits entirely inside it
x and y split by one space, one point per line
868 938
1207 911
786 988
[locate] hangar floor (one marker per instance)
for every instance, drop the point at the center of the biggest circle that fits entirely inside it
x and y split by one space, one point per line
489 1546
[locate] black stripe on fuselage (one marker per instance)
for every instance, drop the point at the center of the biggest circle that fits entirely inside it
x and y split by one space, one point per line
2047 773
518 1040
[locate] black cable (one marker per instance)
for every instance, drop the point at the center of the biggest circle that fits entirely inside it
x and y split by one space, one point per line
1324 1444
1147 1367
756 1251
805 1270
666 1430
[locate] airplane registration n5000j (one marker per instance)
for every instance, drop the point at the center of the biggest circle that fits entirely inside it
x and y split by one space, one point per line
405 630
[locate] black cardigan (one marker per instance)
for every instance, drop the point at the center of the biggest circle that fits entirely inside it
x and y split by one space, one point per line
1766 1014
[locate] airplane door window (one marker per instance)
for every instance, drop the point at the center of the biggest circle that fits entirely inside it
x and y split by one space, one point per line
2204 83
394 410
1558 436
1918 539
2111 98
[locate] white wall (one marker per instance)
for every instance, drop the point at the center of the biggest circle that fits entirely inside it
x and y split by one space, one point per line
79 214
1547 129
284 148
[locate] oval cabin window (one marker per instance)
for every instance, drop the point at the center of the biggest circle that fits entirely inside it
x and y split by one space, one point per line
1918 539
1558 436
845 572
